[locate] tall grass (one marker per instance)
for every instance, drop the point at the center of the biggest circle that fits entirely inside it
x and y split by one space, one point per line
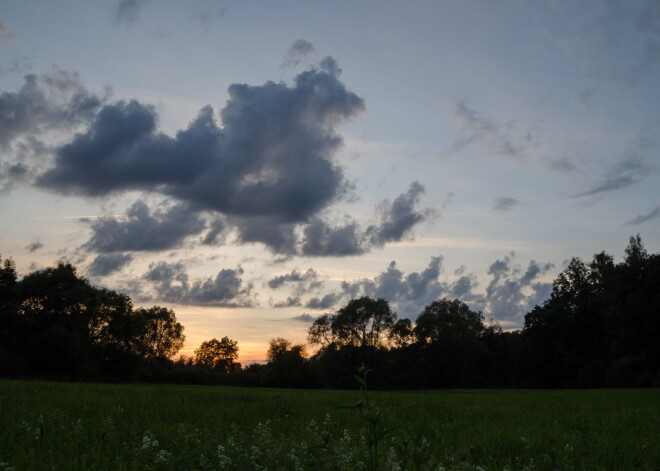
47 425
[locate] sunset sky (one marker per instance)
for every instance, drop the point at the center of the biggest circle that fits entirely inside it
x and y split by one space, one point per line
255 164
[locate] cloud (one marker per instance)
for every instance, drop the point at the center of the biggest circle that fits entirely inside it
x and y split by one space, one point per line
34 246
320 239
273 155
630 32
5 32
497 139
326 302
290 302
626 173
207 19
172 284
277 235
398 217
216 233
106 264
310 276
510 294
299 50
128 11
303 283
55 101
504 203
642 218
142 230
307 318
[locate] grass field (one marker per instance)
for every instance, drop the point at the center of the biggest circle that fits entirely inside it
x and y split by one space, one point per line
63 426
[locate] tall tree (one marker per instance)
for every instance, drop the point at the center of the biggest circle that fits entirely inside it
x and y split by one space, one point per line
156 332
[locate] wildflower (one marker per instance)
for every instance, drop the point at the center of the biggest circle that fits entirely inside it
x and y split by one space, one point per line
471 449
163 456
644 447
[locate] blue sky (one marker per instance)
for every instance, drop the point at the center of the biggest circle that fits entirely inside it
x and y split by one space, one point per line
253 165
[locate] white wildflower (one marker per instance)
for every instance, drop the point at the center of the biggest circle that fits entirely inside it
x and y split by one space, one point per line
163 456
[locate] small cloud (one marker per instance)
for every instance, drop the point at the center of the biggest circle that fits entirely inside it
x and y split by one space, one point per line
207 19
504 203
326 302
290 302
297 52
128 11
6 33
307 318
34 246
642 218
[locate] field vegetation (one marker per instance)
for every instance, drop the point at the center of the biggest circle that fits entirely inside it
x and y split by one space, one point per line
46 425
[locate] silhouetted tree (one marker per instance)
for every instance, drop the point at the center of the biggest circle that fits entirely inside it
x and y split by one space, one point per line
156 333
218 354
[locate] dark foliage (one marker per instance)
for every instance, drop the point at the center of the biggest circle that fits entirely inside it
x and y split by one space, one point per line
599 328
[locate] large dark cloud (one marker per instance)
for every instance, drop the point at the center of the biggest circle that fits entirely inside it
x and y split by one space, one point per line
171 283
142 230
277 235
106 264
271 157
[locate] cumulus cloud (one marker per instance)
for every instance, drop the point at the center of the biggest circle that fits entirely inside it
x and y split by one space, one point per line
273 155
279 236
143 230
326 302
321 239
106 264
398 217
172 284
53 101
642 218
299 50
510 294
296 277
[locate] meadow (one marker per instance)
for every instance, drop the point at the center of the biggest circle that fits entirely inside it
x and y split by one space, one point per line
79 426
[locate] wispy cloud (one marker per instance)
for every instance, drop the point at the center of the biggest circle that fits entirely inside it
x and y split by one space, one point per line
642 218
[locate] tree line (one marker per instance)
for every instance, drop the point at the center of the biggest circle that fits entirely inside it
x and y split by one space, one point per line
599 328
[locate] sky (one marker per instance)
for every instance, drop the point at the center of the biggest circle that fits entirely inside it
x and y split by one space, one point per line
255 164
